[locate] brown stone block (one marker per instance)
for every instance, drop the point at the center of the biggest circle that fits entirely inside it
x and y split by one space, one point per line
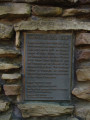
14 76
46 11
12 89
9 52
11 78
83 39
52 24
83 54
14 10
75 12
83 74
4 106
82 91
7 66
44 109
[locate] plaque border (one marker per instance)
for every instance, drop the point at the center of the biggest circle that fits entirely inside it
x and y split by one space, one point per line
23 37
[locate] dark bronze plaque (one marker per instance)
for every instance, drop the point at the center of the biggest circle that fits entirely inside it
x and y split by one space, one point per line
47 66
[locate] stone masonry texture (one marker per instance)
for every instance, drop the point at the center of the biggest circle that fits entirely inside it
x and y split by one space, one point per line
43 16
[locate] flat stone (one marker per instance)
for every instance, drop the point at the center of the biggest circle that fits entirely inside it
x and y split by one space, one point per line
75 12
6 116
7 66
43 109
12 89
14 10
4 106
9 52
82 39
52 24
82 91
83 111
5 31
18 40
14 76
11 78
83 74
46 11
83 54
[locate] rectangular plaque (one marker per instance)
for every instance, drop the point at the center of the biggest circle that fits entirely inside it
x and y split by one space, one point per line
47 66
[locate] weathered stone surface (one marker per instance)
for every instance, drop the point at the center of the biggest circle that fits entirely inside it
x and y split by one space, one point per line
5 31
83 54
83 39
7 66
4 106
52 24
12 89
14 76
82 91
73 11
83 74
17 41
9 52
11 78
19 98
14 10
44 109
83 111
6 116
46 11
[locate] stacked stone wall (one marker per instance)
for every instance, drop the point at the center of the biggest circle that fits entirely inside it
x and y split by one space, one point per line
18 16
